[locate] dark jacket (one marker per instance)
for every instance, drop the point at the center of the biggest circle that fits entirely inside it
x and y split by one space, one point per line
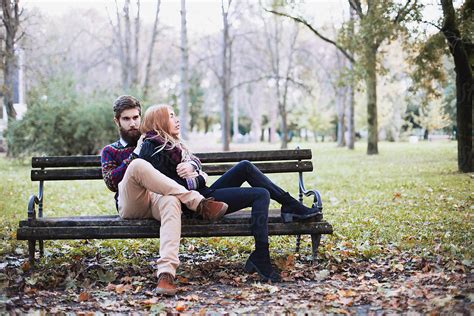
165 159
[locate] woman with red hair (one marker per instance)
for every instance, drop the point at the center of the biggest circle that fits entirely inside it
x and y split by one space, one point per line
163 148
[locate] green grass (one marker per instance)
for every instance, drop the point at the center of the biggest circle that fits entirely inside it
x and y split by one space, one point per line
407 198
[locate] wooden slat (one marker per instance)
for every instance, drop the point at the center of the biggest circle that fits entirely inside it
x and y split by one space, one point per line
65 161
218 229
265 155
66 174
240 217
96 173
233 156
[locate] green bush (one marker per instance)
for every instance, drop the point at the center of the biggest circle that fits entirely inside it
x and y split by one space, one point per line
61 122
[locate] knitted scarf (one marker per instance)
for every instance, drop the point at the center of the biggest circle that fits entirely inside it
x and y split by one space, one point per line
174 153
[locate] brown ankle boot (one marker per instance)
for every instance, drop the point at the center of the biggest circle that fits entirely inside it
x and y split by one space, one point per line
211 210
166 284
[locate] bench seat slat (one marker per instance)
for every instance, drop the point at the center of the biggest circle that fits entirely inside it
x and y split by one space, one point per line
218 230
232 156
212 170
240 217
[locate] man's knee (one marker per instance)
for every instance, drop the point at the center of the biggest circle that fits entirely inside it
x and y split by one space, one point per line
138 167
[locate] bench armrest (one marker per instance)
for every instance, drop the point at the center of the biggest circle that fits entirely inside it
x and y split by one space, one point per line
317 203
34 200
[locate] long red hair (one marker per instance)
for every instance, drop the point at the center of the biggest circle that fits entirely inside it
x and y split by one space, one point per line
157 119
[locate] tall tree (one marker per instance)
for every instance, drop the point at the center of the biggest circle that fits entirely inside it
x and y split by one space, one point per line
123 36
154 33
378 21
136 39
458 33
11 21
351 101
341 102
226 75
184 93
281 68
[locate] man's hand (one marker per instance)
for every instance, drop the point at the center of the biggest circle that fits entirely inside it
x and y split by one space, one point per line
186 170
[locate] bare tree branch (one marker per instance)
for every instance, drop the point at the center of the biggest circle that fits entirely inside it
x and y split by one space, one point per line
402 13
150 50
307 24
355 4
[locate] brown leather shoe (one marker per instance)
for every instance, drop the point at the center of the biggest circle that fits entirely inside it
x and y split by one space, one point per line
211 210
166 284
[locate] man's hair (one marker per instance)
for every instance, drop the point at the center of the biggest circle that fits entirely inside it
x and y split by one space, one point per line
125 102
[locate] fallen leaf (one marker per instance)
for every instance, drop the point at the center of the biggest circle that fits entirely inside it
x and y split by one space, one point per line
121 288
25 266
347 293
182 279
192 297
30 290
150 301
111 287
84 296
321 275
180 306
126 279
330 297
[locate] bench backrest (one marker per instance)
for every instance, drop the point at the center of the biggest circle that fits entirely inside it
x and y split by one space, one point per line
88 167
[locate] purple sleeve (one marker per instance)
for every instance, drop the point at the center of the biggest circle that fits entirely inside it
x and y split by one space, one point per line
113 170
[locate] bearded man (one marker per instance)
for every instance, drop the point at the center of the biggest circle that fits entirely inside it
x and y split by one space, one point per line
144 192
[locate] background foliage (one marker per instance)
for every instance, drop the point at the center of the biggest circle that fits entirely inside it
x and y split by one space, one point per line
61 121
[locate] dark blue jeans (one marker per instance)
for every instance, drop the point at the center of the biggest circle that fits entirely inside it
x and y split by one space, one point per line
227 189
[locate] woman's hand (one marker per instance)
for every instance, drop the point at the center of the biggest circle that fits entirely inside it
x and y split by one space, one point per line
139 145
186 170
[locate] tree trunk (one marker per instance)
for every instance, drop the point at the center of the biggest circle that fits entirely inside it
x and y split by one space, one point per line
284 127
183 108
136 37
225 121
235 118
464 104
350 108
350 115
371 86
150 51
341 109
207 123
127 39
463 56
225 79
11 22
8 77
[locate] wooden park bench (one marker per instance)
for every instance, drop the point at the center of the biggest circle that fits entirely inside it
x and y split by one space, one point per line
37 227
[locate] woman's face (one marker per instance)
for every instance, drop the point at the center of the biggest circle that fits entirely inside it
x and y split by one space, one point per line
173 123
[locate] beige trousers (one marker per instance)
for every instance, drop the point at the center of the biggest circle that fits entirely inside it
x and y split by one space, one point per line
144 192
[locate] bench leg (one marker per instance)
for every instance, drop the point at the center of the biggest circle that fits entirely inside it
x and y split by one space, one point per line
41 248
31 251
298 242
315 241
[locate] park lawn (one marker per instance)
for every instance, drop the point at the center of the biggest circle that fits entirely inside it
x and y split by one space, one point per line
408 198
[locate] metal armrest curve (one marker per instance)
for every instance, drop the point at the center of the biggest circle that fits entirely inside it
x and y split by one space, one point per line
34 200
317 202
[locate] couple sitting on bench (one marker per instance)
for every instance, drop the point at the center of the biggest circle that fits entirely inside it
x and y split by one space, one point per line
168 174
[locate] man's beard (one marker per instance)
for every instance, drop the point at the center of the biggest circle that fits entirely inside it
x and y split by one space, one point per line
131 137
